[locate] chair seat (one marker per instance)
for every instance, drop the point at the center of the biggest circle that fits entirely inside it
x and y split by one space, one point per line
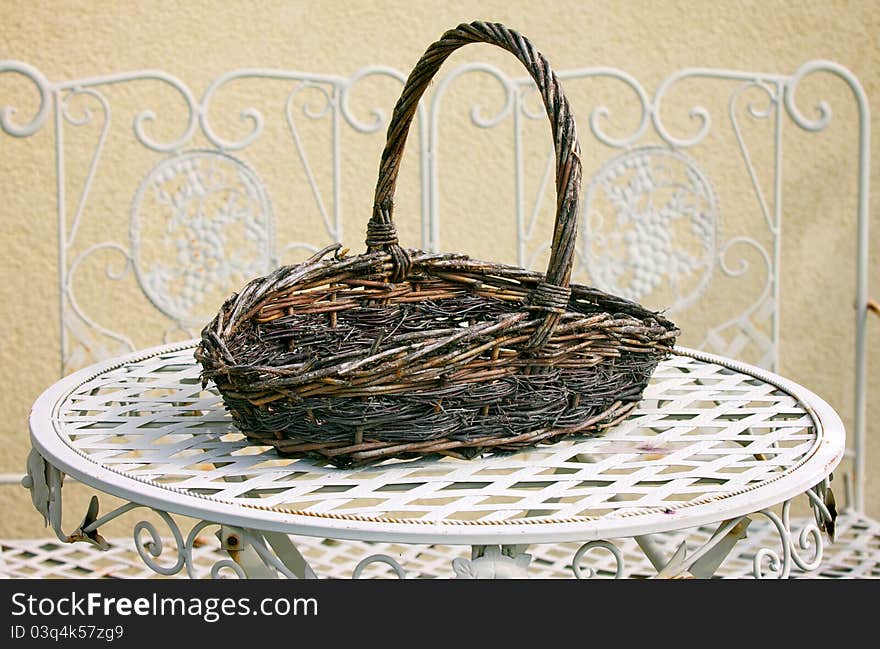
854 555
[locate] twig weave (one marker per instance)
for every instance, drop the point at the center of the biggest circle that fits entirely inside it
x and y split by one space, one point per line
404 353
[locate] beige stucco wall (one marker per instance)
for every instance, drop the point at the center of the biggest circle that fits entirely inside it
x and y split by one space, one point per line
198 40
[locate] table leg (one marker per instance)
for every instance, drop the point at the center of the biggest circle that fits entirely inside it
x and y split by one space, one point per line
290 555
240 549
706 566
651 551
703 562
249 550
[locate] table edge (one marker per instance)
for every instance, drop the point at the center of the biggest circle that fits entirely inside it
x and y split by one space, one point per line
822 461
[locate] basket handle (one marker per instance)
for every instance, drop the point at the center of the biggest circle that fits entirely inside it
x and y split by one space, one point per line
553 293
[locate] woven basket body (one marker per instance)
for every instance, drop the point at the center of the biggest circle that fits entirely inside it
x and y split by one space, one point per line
403 353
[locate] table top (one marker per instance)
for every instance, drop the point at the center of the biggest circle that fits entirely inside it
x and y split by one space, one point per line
712 439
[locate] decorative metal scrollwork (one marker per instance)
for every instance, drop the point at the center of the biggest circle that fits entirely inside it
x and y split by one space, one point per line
378 558
201 226
651 222
769 563
581 572
8 123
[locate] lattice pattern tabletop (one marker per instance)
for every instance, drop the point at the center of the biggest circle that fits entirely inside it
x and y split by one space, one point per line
711 440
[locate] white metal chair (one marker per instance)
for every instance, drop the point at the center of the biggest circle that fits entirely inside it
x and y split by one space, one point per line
675 256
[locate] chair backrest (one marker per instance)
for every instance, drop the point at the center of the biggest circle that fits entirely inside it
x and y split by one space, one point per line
682 209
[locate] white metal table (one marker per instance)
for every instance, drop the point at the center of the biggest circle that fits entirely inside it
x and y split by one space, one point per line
714 444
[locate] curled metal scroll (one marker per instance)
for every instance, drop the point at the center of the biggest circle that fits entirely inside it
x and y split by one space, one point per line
378 558
581 572
78 313
379 117
769 563
7 113
83 119
696 113
151 550
772 97
329 102
599 114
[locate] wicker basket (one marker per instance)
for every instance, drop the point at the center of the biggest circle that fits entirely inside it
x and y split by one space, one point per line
405 353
